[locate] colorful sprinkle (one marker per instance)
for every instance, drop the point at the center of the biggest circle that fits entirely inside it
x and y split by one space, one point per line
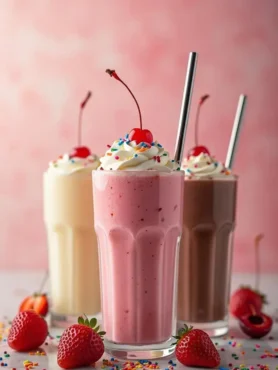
117 157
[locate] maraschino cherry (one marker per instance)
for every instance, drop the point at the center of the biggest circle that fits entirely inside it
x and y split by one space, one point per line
136 134
81 151
198 149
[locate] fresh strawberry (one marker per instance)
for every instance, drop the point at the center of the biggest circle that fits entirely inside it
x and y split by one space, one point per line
80 345
37 302
243 299
195 348
28 331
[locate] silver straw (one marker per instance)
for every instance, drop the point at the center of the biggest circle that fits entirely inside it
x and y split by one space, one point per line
235 132
185 107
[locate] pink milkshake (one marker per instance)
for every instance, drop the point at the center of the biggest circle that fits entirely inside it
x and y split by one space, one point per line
138 228
138 193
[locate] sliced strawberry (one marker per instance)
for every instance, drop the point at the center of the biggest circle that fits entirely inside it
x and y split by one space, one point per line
80 345
36 302
28 331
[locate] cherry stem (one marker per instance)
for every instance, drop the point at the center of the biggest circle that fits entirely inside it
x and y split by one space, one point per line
82 106
201 101
112 73
257 241
44 280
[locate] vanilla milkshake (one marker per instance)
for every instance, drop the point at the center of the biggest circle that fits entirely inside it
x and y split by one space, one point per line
209 214
138 194
72 244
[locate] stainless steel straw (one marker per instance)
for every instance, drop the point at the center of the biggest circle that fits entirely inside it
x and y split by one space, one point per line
185 107
235 132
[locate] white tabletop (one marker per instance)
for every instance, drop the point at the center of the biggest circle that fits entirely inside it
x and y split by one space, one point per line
235 350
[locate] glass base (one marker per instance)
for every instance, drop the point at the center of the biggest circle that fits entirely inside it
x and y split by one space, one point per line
213 329
140 352
64 321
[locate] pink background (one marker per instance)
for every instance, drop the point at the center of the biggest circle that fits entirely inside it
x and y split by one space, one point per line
53 51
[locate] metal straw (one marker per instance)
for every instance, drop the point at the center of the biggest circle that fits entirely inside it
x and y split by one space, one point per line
235 132
185 107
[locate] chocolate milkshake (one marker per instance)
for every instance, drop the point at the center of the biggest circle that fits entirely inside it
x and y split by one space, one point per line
206 248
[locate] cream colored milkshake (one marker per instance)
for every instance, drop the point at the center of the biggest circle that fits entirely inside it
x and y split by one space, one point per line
72 244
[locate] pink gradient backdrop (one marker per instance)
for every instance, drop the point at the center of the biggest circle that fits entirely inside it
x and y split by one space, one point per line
53 51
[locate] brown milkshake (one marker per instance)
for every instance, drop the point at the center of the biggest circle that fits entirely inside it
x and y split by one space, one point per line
207 241
206 252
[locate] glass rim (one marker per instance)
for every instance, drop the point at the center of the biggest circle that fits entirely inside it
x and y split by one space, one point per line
75 173
212 178
150 173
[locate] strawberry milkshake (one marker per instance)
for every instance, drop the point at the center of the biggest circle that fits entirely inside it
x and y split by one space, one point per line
138 194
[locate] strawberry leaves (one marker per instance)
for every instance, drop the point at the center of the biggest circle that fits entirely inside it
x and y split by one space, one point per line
91 324
181 333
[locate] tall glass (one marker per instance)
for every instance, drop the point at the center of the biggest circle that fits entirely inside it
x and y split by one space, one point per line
72 246
138 221
206 253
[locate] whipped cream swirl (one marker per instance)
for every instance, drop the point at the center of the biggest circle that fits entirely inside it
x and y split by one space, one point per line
66 165
129 156
204 165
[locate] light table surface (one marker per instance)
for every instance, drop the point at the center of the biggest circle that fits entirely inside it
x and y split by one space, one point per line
253 354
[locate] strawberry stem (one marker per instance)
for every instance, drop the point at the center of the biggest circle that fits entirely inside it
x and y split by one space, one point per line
82 106
113 73
257 241
201 101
